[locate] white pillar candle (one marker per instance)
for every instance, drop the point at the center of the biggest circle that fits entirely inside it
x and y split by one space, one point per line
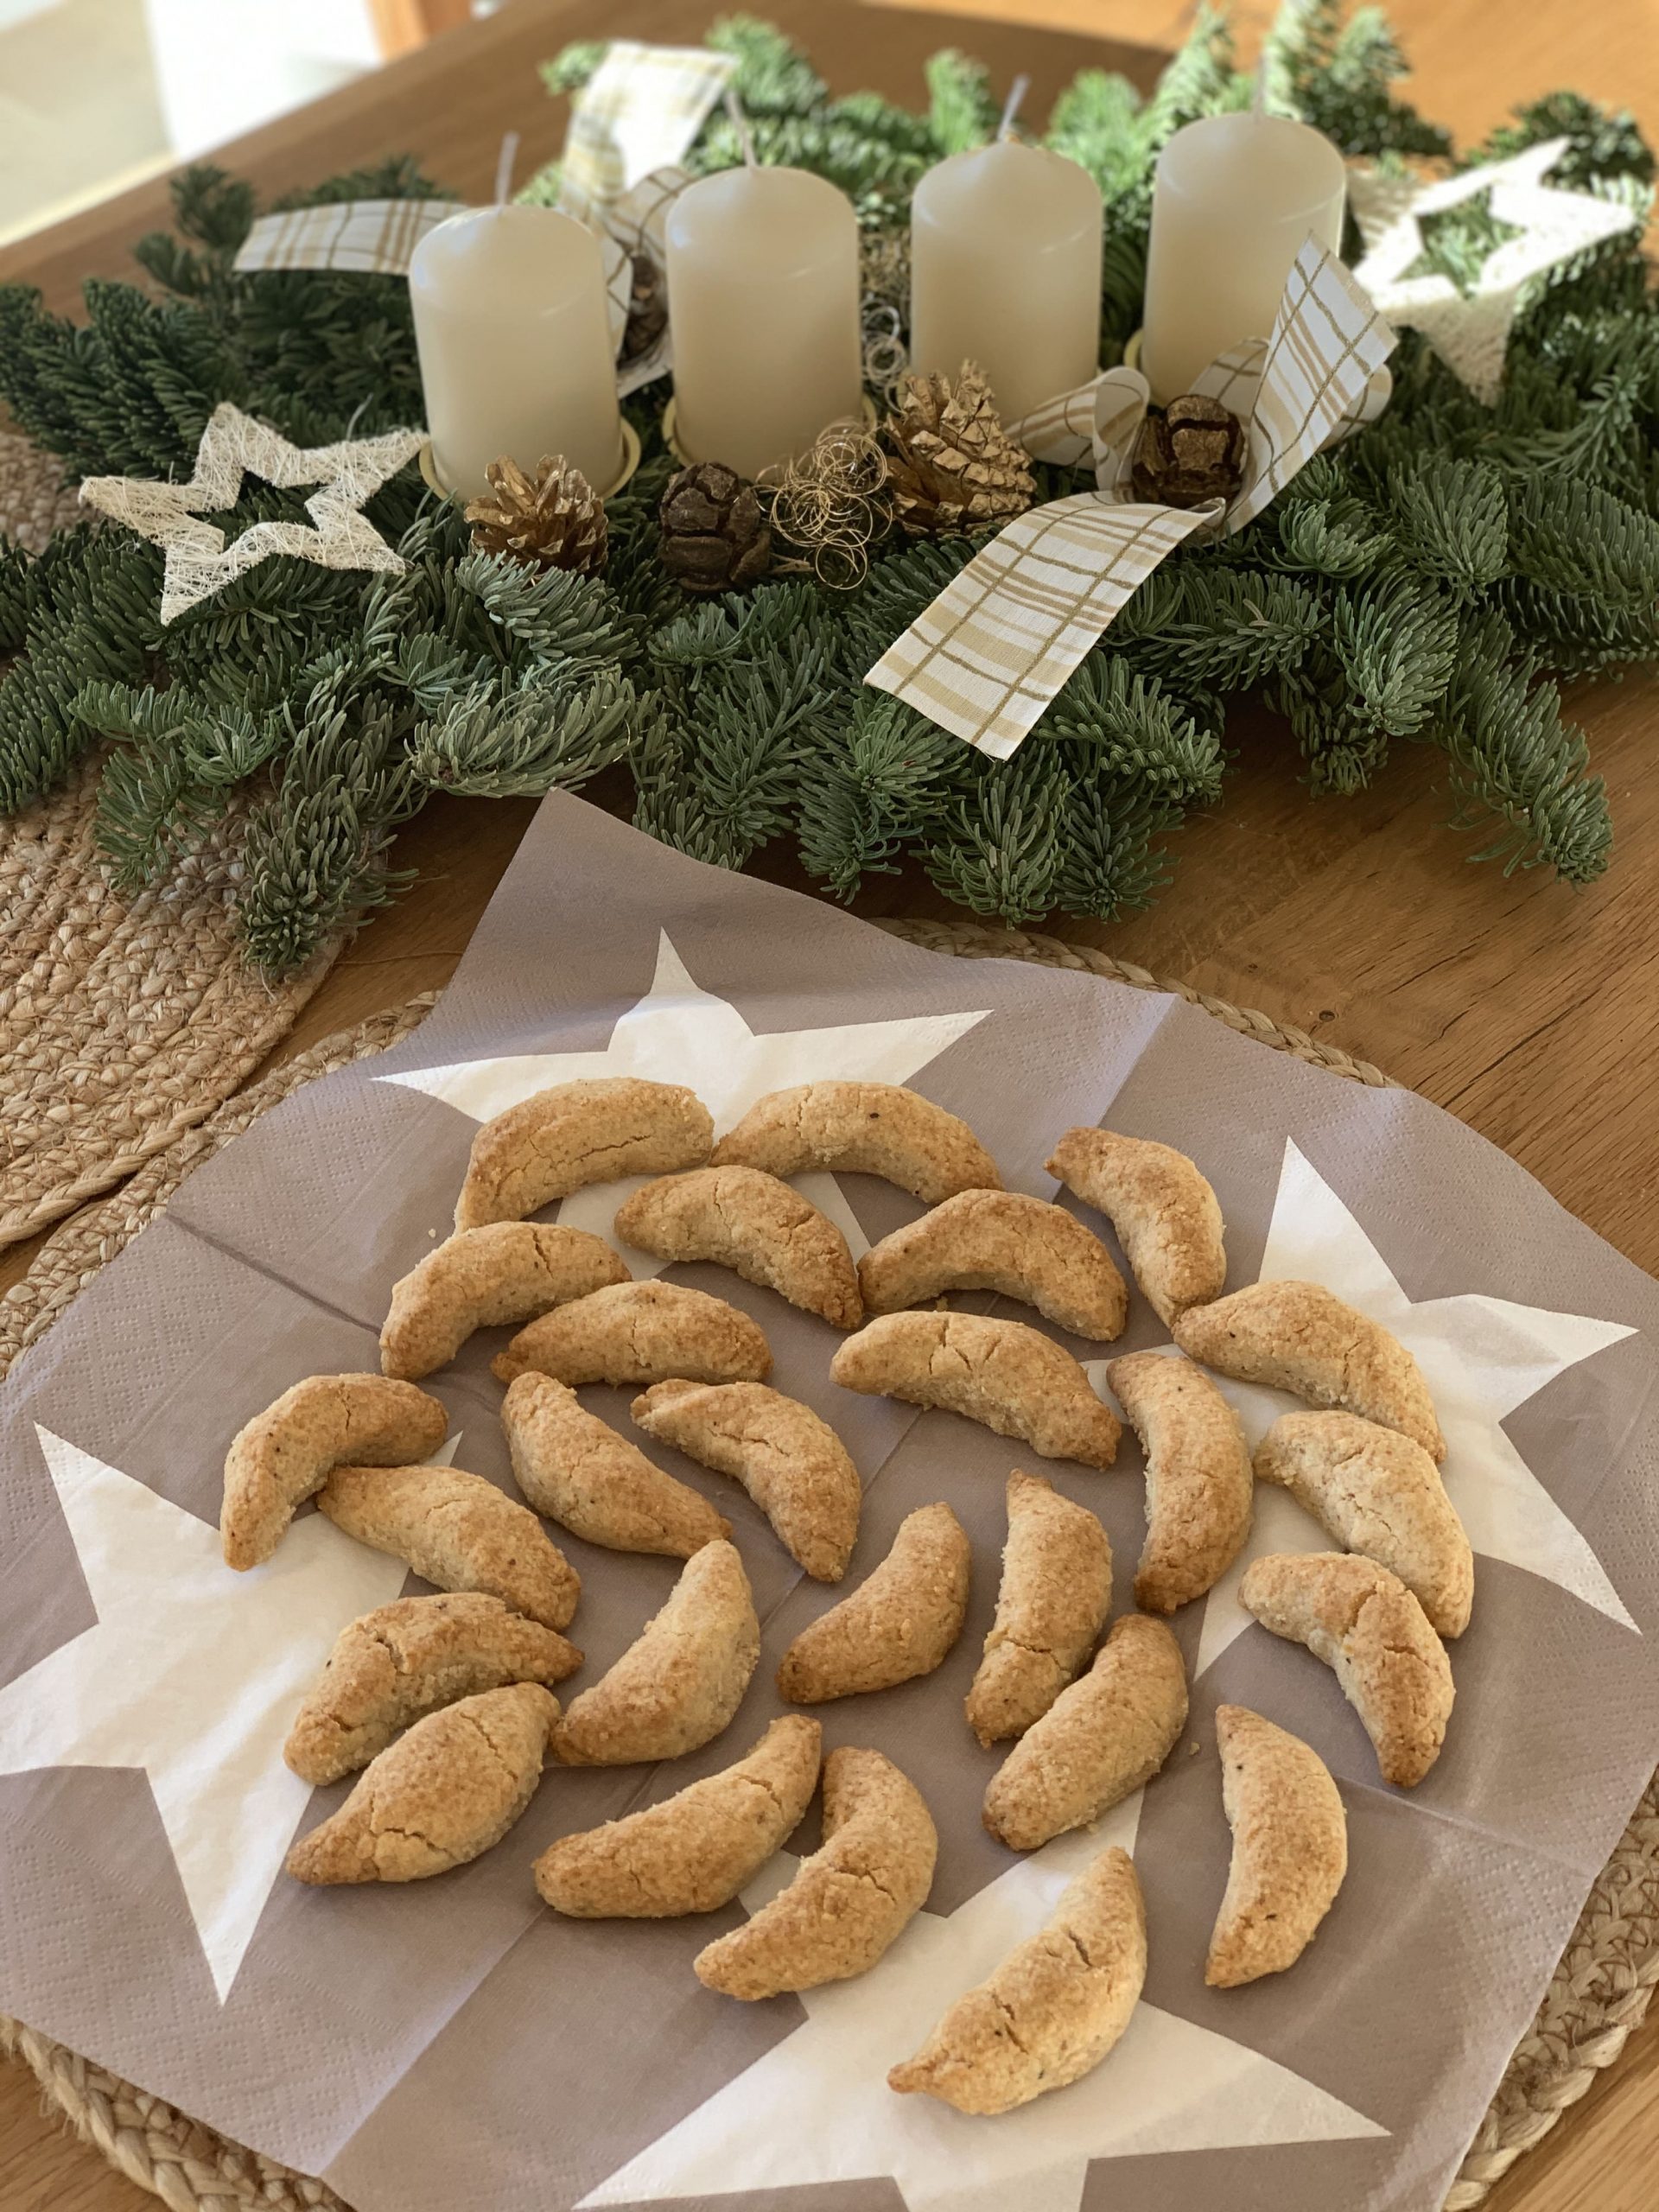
763 296
1234 198
513 330
1005 270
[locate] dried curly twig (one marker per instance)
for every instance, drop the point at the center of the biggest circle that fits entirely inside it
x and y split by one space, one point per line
830 504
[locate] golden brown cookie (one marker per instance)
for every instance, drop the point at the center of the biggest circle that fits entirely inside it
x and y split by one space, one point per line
1101 1738
509 1271
1055 1595
440 1796
576 1469
850 1899
1007 1377
639 1333
900 1621
284 1455
1164 1211
693 1852
1290 1848
682 1678
1053 2008
861 1129
1199 1487
1302 1338
1377 1492
457 1531
406 1659
591 1131
752 1223
793 1464
1368 1629
1001 1240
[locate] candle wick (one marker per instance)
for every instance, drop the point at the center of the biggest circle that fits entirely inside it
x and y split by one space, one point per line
741 124
1259 96
508 155
1017 92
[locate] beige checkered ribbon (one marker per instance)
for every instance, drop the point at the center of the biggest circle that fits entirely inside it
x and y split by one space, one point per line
638 111
370 236
997 645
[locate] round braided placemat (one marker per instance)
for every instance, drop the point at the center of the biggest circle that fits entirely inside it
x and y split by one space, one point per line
1599 1994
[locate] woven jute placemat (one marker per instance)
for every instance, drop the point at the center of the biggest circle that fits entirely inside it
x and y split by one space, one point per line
1601 1986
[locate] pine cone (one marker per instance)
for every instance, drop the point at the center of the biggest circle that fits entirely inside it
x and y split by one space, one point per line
954 467
552 520
714 537
647 308
1191 453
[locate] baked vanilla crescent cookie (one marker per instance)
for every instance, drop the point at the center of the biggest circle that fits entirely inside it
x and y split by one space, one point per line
285 1454
861 1129
1199 1487
750 1222
459 1532
508 1272
639 1333
1052 2010
1290 1848
1055 1595
1001 1240
576 1469
1368 1629
1164 1211
1301 1338
590 1131
1009 1378
793 1464
900 1622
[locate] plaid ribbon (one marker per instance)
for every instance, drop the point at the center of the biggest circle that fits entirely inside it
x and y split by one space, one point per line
371 237
638 111
997 645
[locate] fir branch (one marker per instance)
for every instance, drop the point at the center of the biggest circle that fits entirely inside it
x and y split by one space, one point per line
542 734
566 622
1111 864
960 110
998 850
1133 729
872 789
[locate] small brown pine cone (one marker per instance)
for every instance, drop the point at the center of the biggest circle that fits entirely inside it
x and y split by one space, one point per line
714 535
554 519
1192 452
647 308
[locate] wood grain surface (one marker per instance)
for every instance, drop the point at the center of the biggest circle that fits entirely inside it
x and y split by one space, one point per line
1525 1007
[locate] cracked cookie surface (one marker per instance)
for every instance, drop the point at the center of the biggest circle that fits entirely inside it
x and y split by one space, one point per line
752 1222
1290 1848
458 1531
506 1271
578 1471
639 1333
900 1622
1052 1604
1199 1485
1162 1208
1001 1240
861 1129
283 1455
594 1130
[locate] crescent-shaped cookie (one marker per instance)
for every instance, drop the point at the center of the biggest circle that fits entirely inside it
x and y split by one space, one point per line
590 1131
509 1271
761 1228
446 1793
1301 1338
1006 1376
1164 1211
900 1621
1001 1240
1101 1738
1199 1487
1056 1592
682 1678
793 1465
285 1454
861 1129
1377 1492
406 1659
1290 1848
849 1900
575 1468
1368 1629
458 1532
694 1851
1053 2008
639 1333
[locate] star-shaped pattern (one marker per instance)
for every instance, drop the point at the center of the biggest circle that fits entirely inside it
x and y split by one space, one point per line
200 562
816 2107
678 1033
193 1673
1471 334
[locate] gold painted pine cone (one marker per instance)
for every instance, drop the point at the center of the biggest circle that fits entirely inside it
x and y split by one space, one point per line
554 519
714 535
953 467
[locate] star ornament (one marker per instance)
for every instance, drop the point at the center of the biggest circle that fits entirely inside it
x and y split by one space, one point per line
199 561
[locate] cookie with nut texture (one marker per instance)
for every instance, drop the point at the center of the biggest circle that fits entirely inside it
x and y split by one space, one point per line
506 1273
1055 1594
1162 1208
639 1333
900 1622
752 1222
1200 1491
285 1454
458 1532
861 1129
593 1130
1290 1848
578 1471
1001 1240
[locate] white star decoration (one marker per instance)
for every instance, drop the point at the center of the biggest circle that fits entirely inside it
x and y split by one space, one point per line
679 1033
199 562
192 1672
816 2107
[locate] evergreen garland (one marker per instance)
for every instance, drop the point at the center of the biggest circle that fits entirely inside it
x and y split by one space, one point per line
1433 580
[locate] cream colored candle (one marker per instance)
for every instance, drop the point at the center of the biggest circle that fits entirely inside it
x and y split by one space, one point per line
763 292
1234 198
514 331
1005 270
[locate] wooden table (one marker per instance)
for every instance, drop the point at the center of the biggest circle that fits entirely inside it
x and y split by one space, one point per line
1527 1008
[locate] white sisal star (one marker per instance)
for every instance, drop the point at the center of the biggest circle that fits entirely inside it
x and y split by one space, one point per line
198 562
816 2107
192 1672
679 1033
